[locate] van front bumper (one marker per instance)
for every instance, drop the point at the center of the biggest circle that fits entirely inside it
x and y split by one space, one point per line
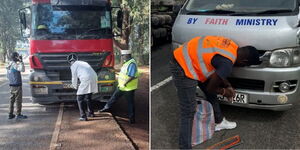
281 107
265 96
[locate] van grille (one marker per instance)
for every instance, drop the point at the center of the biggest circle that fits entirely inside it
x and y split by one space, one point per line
248 84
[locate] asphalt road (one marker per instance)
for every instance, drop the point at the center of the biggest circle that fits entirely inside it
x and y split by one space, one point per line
160 57
32 133
258 129
36 132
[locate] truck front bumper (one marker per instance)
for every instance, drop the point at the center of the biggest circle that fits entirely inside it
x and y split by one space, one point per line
55 92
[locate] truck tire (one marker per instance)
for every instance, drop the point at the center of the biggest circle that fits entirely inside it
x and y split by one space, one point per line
154 21
156 33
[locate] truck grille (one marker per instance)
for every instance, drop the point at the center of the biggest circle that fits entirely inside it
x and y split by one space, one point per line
248 84
59 61
57 67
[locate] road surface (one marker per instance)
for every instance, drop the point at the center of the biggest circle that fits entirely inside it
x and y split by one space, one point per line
45 128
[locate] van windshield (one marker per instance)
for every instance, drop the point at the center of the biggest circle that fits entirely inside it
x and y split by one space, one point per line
239 7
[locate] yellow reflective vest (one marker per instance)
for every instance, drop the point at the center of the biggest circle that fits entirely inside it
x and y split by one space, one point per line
123 77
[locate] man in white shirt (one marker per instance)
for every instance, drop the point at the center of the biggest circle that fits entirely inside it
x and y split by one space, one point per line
87 86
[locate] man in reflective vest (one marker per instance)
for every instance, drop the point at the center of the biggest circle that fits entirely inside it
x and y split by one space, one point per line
207 62
127 84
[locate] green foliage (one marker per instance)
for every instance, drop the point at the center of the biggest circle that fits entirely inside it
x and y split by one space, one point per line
139 27
9 25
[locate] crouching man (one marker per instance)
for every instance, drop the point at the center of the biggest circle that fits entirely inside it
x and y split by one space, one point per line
88 85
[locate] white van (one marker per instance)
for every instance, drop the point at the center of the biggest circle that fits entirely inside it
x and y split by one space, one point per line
272 26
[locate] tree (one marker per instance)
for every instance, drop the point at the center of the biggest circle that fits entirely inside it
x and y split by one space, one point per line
135 34
9 26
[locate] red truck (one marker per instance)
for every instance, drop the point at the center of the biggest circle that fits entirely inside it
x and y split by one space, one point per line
59 29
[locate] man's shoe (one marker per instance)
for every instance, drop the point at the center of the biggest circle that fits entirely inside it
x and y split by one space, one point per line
83 119
11 116
91 115
105 108
225 124
21 116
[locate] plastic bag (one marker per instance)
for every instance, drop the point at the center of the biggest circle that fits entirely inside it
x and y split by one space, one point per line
203 124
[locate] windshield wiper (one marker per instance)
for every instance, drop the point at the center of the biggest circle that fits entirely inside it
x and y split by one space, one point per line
214 11
85 33
272 11
275 11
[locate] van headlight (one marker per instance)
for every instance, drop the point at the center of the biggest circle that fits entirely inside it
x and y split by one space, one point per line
285 57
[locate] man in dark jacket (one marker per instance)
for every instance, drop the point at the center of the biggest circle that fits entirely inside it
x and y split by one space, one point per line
14 69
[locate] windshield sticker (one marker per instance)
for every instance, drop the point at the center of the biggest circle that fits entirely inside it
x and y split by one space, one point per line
192 20
216 21
256 22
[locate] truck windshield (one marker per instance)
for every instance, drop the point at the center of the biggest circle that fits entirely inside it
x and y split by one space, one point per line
241 7
70 22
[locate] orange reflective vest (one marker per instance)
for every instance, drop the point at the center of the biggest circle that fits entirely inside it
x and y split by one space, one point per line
195 56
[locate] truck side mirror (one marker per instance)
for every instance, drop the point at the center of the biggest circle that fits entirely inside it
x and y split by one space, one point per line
120 19
23 13
22 19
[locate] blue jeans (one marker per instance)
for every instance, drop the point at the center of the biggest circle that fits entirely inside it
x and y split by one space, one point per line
129 95
186 91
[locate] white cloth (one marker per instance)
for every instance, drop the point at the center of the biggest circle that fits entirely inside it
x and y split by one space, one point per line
126 52
87 77
16 65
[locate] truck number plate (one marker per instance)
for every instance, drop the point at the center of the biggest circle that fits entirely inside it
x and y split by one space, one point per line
67 86
40 90
238 98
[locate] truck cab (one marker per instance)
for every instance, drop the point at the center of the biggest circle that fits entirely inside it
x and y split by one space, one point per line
271 26
59 29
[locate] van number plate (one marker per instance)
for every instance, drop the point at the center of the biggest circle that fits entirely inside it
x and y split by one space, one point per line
238 98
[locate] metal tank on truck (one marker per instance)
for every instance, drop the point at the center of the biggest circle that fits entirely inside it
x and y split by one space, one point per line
272 26
59 29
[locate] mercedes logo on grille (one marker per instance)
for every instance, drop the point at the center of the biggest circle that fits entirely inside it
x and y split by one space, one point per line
72 57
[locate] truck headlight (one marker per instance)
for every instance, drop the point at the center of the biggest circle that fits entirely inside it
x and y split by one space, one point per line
36 78
285 57
106 75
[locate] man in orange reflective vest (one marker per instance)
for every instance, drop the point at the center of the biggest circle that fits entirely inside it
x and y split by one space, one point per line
206 62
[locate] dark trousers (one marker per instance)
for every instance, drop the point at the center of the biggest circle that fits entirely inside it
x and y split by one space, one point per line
85 101
186 91
129 95
15 96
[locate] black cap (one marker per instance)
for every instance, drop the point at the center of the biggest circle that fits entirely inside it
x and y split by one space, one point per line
253 57
14 56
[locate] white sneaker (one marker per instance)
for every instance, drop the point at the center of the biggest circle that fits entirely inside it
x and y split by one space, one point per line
225 124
